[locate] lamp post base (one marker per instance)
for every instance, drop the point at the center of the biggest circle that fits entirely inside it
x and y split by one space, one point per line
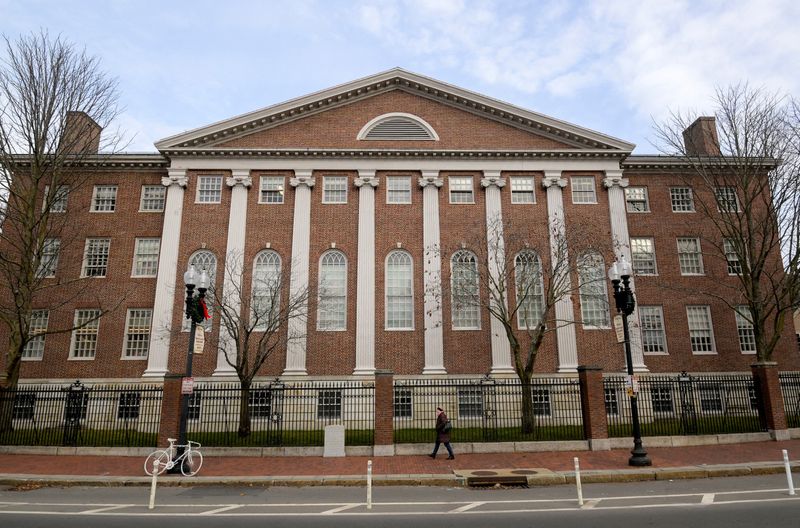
639 456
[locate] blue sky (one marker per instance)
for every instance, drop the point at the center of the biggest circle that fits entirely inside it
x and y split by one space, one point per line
612 66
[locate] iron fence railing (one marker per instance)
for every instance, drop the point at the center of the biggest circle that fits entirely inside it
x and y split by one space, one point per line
120 415
281 413
684 405
790 388
488 410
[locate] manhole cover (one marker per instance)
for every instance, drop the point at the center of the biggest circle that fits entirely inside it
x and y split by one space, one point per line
524 472
484 473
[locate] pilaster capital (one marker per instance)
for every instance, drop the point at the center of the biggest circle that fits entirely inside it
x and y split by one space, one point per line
614 177
302 177
553 177
240 177
492 178
175 177
366 178
430 177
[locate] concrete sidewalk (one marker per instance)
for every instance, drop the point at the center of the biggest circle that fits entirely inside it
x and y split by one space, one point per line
539 468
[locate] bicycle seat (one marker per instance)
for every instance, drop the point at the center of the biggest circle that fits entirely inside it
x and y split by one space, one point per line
171 440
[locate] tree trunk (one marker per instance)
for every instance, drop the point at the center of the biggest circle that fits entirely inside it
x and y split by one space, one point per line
244 411
527 405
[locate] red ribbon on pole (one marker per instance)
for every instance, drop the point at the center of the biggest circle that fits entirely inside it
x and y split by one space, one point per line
203 306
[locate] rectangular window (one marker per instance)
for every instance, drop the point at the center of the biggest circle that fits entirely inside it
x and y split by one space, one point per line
334 189
209 189
34 349
272 189
104 199
541 402
726 199
612 404
95 257
654 340
661 398
522 190
261 403
24 406
732 257
744 327
701 333
128 407
195 405
329 405
84 337
583 190
137 333
690 258
461 189
58 203
398 189
153 198
49 261
470 402
643 254
403 403
145 257
682 200
710 399
636 200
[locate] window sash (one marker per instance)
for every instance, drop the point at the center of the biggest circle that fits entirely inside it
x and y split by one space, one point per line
593 293
95 257
48 263
731 258
104 199
272 190
153 198
690 257
583 191
654 339
329 405
744 328
399 292
643 256
209 189
398 189
59 201
145 259
137 332
522 190
470 402
461 190
403 403
701 334
334 189
332 312
34 348
465 289
681 199
727 201
636 200
84 339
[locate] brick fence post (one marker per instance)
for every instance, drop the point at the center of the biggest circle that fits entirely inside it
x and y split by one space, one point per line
593 408
170 409
768 385
384 413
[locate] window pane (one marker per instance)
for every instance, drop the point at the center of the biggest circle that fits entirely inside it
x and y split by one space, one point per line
461 189
49 260
583 189
38 325
272 189
690 257
530 289
653 336
522 189
744 327
644 256
332 292
398 189
681 198
700 333
266 291
137 333
636 199
105 198
84 339
95 260
153 197
399 291
145 263
593 293
464 283
732 258
334 189
209 189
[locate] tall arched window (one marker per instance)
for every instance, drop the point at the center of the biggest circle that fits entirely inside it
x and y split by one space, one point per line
399 291
332 309
465 290
204 260
265 307
592 288
530 289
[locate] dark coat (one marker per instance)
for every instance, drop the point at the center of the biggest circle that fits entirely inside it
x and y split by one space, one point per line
441 436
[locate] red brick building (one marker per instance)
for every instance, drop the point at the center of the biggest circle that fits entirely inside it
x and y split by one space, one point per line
357 182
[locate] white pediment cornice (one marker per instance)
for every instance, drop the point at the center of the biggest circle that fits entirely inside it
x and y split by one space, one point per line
394 79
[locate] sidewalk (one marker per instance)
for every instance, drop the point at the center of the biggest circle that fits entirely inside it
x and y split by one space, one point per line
548 467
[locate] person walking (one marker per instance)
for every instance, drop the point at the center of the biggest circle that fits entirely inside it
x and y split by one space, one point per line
442 434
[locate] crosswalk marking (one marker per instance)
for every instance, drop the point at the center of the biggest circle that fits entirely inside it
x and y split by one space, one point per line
708 498
467 507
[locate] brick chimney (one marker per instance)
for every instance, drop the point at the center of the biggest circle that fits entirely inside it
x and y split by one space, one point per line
700 138
81 134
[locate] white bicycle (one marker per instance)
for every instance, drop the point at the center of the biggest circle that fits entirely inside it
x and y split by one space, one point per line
191 460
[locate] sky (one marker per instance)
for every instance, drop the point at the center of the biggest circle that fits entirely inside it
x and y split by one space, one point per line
614 66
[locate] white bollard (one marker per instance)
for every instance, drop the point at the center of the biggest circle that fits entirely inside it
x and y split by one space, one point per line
369 484
153 486
578 481
788 472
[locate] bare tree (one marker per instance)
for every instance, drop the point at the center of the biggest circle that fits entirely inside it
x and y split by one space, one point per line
746 185
518 276
54 102
255 319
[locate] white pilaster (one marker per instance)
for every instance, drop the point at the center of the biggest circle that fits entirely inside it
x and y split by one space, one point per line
158 356
565 316
298 284
496 254
432 269
239 182
365 288
615 183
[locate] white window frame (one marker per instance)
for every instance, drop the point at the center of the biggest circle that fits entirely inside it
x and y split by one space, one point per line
401 299
645 199
710 329
104 204
403 403
48 263
327 188
339 322
457 186
593 293
137 315
684 257
723 196
89 330
460 319
266 278
138 257
209 189
676 200
34 348
406 190
658 313
58 205
531 308
744 329
576 182
730 251
521 188
145 199
636 271
268 183
86 256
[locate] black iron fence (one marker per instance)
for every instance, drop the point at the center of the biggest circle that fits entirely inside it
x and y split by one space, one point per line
280 413
790 388
81 415
684 405
488 410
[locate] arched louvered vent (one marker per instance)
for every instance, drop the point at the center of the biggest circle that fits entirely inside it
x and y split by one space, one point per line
398 127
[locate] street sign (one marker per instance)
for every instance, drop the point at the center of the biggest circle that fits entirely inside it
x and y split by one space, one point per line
199 340
618 329
632 385
187 385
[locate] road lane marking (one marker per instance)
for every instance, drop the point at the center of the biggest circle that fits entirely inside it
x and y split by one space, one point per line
467 507
107 508
708 498
589 504
218 510
341 508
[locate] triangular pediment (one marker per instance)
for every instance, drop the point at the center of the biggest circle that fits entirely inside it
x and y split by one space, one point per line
444 111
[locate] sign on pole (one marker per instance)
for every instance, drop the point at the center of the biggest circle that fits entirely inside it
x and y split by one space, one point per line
187 385
199 340
618 329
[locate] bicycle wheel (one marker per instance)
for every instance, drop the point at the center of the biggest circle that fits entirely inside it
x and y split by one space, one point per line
191 463
163 458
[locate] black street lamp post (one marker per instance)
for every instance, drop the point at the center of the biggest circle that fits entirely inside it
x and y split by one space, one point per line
623 296
196 313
